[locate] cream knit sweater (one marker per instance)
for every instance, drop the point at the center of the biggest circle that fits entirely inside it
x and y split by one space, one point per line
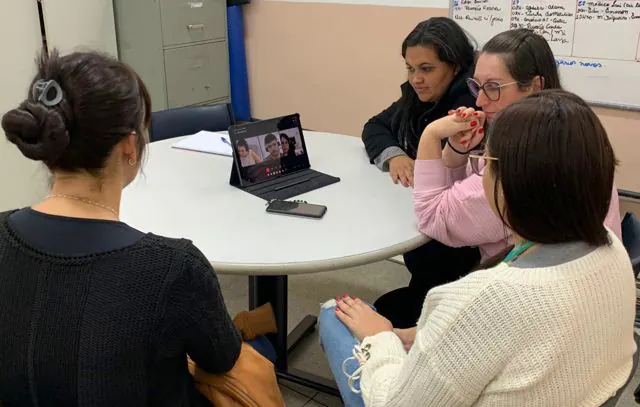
554 336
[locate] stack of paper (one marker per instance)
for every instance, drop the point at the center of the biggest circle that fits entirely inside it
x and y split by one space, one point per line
207 142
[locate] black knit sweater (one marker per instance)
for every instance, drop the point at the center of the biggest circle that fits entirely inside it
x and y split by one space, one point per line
111 328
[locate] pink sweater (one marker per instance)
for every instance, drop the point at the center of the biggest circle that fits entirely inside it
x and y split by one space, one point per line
451 208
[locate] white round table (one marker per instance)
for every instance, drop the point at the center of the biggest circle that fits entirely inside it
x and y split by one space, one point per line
187 194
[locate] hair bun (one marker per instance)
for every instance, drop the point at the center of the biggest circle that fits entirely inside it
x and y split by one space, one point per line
39 132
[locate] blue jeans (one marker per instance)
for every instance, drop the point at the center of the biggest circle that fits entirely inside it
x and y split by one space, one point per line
264 347
338 342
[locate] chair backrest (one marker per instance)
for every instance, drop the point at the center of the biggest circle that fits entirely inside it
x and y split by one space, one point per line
631 239
182 121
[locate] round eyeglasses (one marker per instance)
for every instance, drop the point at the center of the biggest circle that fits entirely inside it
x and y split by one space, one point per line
491 88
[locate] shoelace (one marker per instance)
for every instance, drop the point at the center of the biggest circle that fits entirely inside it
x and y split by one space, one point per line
361 355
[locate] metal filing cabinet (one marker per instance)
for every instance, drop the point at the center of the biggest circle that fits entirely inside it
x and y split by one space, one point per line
178 47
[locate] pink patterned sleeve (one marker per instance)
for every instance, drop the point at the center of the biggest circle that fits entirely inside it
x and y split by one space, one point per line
612 221
451 207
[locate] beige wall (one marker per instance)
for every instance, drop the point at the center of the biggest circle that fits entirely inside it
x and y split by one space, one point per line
339 64
71 25
80 25
21 181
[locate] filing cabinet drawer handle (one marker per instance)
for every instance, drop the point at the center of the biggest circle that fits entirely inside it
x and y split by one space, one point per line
196 4
196 26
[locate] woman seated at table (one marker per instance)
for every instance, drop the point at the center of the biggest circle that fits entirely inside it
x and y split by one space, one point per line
95 312
439 58
449 201
552 323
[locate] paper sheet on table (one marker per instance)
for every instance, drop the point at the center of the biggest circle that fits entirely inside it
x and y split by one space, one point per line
206 142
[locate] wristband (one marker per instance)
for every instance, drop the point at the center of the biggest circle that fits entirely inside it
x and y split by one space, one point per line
454 149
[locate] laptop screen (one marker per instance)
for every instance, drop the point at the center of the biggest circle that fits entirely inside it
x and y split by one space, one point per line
268 149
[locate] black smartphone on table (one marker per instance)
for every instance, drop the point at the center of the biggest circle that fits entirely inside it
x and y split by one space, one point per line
295 208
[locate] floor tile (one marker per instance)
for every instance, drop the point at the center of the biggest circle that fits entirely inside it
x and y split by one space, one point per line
296 387
293 398
328 400
309 357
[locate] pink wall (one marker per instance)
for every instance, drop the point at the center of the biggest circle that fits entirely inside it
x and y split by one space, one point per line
339 64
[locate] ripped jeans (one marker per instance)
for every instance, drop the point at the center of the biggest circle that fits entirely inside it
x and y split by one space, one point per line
338 344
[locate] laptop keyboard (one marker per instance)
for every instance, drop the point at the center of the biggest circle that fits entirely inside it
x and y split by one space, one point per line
292 185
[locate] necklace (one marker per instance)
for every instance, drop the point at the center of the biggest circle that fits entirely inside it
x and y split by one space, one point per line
85 200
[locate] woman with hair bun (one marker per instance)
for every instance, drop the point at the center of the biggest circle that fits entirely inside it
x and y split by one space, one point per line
95 312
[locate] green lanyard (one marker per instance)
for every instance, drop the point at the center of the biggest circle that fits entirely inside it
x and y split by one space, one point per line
517 251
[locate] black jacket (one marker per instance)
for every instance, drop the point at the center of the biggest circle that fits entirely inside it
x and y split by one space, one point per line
379 133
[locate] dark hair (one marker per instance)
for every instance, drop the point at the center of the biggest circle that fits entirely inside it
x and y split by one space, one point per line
290 142
269 138
103 101
242 143
526 55
452 45
555 167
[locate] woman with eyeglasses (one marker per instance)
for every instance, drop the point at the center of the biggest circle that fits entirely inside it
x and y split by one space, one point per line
448 198
552 323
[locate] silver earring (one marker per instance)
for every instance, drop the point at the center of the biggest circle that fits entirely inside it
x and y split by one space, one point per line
132 162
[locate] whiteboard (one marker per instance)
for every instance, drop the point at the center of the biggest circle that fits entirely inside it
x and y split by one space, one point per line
596 42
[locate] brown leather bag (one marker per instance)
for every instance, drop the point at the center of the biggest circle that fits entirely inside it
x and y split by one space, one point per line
251 383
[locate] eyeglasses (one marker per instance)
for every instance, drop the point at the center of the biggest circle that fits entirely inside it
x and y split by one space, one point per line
491 88
478 160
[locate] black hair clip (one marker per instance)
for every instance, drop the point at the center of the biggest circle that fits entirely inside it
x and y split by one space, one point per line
41 92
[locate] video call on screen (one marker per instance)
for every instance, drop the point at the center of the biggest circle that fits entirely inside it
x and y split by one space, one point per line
270 149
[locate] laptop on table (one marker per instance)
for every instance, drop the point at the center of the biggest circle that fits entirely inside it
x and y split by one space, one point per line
270 159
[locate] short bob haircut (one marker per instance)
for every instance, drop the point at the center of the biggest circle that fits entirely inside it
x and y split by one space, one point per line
554 168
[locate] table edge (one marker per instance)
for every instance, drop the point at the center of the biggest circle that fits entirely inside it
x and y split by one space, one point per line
308 267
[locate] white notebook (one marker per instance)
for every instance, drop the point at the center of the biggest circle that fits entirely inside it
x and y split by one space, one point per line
207 142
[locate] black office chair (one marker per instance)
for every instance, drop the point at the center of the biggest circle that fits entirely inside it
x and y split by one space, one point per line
183 121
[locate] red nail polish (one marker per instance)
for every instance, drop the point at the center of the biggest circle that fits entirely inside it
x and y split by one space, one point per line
476 114
474 123
481 131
